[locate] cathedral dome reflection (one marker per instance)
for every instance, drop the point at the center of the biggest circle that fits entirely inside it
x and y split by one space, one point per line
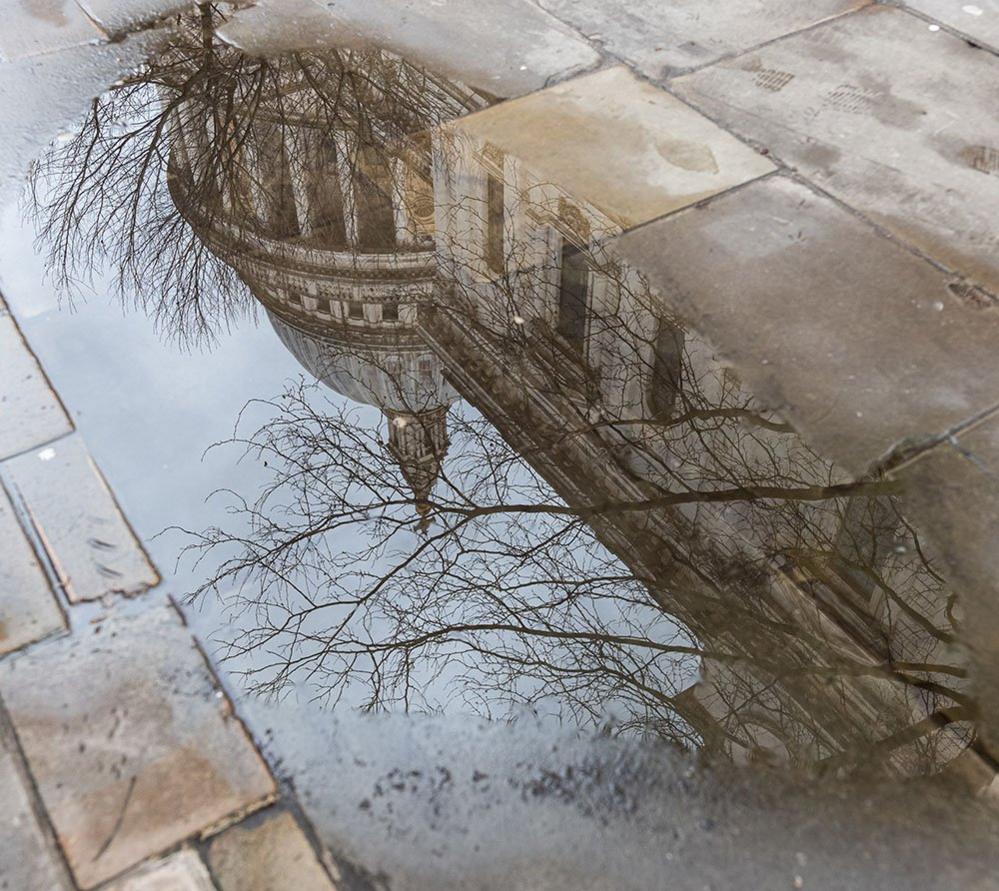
317 189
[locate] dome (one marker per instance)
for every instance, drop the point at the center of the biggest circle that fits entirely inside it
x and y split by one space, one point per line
402 378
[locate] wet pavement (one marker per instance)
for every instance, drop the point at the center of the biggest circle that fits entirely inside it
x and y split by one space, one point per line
612 411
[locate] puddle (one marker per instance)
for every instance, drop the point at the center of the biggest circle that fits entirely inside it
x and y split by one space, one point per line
478 466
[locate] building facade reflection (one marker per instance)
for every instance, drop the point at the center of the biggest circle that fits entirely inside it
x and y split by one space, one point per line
407 265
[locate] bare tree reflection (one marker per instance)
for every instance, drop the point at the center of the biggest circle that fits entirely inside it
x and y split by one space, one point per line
576 507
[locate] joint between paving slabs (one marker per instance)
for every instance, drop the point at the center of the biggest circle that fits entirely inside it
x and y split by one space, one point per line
908 452
972 41
767 151
785 169
31 533
10 743
285 796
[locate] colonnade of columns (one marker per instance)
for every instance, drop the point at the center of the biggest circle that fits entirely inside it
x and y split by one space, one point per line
294 180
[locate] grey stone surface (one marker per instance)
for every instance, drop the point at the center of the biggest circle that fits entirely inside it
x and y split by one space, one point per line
79 522
28 858
266 853
507 47
30 411
623 145
28 609
131 744
886 115
182 871
450 802
270 27
978 19
41 94
117 16
852 338
659 37
952 494
32 27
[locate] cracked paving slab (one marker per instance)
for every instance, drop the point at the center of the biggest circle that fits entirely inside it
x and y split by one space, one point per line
132 745
884 114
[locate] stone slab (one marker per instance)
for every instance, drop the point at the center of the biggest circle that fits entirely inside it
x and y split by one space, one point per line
28 858
660 38
39 95
952 494
33 27
272 27
132 745
507 47
182 871
30 410
625 146
118 16
269 854
81 526
979 20
28 609
888 116
444 802
855 340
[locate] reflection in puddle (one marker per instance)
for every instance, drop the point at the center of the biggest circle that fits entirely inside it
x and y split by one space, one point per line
569 504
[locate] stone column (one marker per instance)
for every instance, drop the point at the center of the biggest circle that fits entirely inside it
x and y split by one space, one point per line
253 172
300 145
346 148
405 231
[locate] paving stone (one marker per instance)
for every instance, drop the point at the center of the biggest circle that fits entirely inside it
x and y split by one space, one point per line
28 609
623 145
659 38
28 858
271 27
32 27
884 114
182 871
30 411
119 16
979 20
507 47
41 94
131 744
79 522
269 854
951 493
854 339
